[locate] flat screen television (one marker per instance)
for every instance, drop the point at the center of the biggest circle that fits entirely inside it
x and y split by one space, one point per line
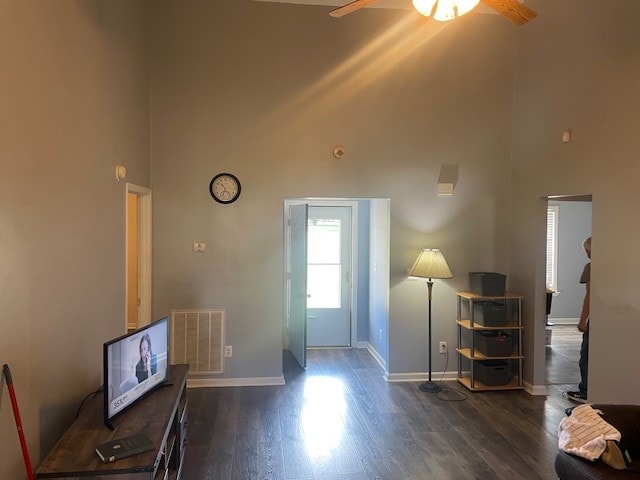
134 365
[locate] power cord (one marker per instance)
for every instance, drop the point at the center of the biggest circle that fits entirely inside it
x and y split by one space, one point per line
94 393
449 395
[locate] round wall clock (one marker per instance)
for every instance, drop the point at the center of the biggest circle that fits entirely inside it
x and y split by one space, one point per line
225 188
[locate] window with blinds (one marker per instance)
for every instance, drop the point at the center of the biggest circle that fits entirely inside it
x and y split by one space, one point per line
552 247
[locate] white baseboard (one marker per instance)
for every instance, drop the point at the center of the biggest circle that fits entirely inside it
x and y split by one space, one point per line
437 376
234 382
535 389
420 376
376 356
564 321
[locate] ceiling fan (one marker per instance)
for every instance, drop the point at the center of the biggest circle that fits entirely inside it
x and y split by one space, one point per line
449 9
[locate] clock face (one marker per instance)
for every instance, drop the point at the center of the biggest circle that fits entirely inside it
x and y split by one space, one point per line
225 188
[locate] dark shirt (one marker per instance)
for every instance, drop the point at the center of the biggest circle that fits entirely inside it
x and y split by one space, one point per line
141 373
586 274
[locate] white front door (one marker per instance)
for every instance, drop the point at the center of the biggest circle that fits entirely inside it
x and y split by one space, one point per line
329 276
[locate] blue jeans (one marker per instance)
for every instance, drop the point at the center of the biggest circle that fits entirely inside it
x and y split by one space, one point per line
584 363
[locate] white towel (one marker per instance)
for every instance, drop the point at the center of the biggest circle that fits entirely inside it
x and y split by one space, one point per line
585 433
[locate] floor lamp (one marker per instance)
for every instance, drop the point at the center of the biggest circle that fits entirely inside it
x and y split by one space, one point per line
430 264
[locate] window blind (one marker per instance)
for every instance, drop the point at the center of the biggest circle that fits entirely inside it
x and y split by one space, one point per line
552 247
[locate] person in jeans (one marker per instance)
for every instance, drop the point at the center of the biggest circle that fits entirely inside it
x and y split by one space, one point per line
583 326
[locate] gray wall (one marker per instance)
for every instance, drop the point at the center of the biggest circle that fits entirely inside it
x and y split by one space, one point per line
379 281
265 91
578 66
74 103
574 226
364 212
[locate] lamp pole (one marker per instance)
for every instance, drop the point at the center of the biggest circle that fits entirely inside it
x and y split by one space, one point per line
429 386
430 264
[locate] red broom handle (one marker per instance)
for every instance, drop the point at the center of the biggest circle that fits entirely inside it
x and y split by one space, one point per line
16 415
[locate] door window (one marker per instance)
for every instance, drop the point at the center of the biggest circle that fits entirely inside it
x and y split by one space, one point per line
323 263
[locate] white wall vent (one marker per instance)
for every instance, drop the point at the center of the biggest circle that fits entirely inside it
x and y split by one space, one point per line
197 338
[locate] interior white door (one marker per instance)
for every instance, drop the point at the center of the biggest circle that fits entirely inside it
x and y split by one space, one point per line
297 283
329 276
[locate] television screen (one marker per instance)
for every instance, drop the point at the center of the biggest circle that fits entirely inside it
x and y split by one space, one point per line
134 365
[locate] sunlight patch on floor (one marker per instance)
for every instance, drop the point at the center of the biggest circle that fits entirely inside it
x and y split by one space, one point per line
323 415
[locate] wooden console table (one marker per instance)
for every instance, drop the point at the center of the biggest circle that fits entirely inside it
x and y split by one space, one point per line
161 415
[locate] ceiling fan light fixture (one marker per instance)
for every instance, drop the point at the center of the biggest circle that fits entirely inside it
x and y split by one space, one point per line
424 7
444 9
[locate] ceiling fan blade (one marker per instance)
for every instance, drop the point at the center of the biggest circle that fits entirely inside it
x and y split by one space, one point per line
512 9
350 7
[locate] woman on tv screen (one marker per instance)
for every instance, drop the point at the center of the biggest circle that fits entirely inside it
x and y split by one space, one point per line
148 363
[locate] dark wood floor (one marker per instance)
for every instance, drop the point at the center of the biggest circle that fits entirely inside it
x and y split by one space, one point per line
563 356
341 420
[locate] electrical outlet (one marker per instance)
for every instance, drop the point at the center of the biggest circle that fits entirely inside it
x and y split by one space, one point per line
380 334
443 347
228 351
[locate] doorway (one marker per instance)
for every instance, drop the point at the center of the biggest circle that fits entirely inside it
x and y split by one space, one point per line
137 257
368 298
323 314
568 225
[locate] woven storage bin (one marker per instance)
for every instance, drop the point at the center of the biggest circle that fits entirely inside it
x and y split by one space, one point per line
492 372
493 343
490 314
487 284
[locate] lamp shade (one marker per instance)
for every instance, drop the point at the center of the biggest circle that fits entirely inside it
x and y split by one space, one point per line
430 264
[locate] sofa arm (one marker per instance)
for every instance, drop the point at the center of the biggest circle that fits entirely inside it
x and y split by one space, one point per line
570 467
626 418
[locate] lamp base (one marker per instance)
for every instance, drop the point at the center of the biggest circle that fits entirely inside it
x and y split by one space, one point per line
430 387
